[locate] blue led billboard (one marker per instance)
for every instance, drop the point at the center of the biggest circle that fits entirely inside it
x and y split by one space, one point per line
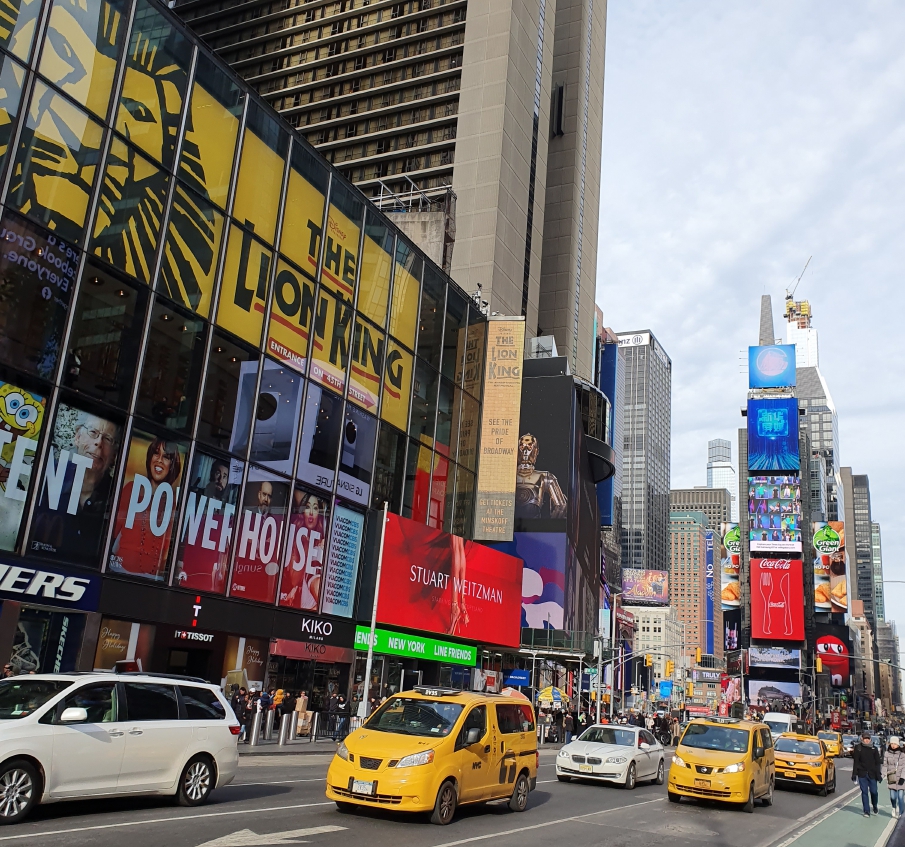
773 435
772 366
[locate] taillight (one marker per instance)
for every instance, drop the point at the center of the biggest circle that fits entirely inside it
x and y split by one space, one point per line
235 729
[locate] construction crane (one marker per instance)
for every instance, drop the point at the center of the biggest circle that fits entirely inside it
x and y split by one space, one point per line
799 312
791 294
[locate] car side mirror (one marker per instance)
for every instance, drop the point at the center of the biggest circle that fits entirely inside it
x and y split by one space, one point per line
74 715
759 752
473 736
644 745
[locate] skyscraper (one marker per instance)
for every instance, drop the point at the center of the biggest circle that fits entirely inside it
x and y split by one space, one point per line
877 558
715 503
859 540
721 473
646 452
500 102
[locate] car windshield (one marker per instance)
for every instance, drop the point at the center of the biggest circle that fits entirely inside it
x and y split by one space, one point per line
408 716
828 736
876 741
707 737
793 745
849 739
21 697
609 735
777 726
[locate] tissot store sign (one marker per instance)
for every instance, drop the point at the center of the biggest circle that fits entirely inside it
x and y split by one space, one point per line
49 586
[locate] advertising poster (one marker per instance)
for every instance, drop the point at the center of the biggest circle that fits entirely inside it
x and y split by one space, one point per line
303 563
276 417
397 385
440 583
342 562
640 586
123 641
771 366
835 652
256 569
774 657
731 689
368 346
202 557
320 437
147 506
732 624
773 695
773 435
730 558
332 340
21 421
777 600
496 489
830 586
710 622
774 514
245 277
356 456
290 316
77 491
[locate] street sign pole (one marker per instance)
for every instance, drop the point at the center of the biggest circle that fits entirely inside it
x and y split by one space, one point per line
366 690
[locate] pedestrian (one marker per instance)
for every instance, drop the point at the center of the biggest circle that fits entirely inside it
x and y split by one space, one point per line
342 717
867 770
674 731
287 705
894 767
568 727
266 700
332 704
239 702
649 723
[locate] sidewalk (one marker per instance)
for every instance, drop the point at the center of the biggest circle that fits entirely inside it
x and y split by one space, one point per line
847 826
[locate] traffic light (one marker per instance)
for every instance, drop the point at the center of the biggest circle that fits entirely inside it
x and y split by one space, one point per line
697 656
819 665
670 667
689 689
648 660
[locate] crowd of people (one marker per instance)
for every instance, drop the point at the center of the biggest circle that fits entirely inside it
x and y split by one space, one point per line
281 702
559 726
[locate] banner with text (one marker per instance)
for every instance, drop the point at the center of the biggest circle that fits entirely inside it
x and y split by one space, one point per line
416 646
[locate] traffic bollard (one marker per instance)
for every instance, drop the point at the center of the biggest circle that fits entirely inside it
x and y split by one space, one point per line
255 736
285 726
294 726
268 725
312 732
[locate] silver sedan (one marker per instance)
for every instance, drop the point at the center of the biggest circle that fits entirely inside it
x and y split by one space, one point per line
623 755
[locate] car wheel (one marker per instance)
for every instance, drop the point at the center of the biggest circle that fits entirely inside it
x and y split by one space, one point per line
445 805
673 797
630 777
563 778
749 806
833 784
661 774
196 782
518 802
345 808
767 799
18 790
825 788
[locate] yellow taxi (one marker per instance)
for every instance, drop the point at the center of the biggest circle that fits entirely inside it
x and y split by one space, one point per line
724 759
803 760
832 741
434 749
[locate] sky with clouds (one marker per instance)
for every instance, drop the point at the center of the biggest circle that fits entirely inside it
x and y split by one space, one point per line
739 139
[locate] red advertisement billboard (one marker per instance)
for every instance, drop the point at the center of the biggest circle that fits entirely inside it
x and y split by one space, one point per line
777 600
437 582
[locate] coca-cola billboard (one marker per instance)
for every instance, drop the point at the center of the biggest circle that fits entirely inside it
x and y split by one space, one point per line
777 600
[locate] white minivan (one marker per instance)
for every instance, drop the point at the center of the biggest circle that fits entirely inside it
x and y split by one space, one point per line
779 722
80 735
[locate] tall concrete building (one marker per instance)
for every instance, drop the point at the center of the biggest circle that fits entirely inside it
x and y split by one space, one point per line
721 472
876 553
859 540
715 503
645 452
484 116
658 631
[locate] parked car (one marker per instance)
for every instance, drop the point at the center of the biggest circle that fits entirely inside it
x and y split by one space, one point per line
624 755
848 742
74 736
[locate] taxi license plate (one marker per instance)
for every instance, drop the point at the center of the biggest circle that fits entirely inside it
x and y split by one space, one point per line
789 774
585 769
702 783
362 787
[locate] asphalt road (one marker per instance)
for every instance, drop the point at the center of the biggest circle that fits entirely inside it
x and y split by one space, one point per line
284 794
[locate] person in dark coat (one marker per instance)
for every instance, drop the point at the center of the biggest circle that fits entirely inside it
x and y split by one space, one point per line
867 769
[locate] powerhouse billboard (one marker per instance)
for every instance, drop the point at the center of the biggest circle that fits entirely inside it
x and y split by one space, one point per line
774 514
440 583
641 586
777 600
830 585
771 366
773 435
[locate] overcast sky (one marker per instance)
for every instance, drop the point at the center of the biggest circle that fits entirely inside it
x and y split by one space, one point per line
739 139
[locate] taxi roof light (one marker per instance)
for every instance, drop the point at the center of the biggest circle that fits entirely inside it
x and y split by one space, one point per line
430 691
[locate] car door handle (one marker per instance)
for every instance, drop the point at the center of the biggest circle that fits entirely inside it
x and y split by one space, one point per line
136 732
116 733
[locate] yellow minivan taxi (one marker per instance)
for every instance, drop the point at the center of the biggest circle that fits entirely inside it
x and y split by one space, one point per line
804 760
832 741
434 749
724 759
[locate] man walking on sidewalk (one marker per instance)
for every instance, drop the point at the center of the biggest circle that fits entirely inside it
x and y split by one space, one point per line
867 769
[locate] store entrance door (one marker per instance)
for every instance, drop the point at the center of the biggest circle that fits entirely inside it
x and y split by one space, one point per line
189 662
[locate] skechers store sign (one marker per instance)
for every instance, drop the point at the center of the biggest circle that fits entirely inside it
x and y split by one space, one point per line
49 587
416 646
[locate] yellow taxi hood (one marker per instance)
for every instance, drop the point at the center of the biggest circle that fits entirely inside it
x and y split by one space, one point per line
388 745
714 758
796 757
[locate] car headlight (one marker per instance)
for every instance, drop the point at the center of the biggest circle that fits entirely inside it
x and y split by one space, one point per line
425 757
738 767
816 764
342 751
679 761
564 754
616 760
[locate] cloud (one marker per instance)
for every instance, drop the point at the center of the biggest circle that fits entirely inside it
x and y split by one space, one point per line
739 139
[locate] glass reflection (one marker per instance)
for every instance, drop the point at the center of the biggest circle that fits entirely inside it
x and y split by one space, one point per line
227 368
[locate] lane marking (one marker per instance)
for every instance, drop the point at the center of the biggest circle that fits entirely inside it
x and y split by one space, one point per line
163 820
546 824
275 782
